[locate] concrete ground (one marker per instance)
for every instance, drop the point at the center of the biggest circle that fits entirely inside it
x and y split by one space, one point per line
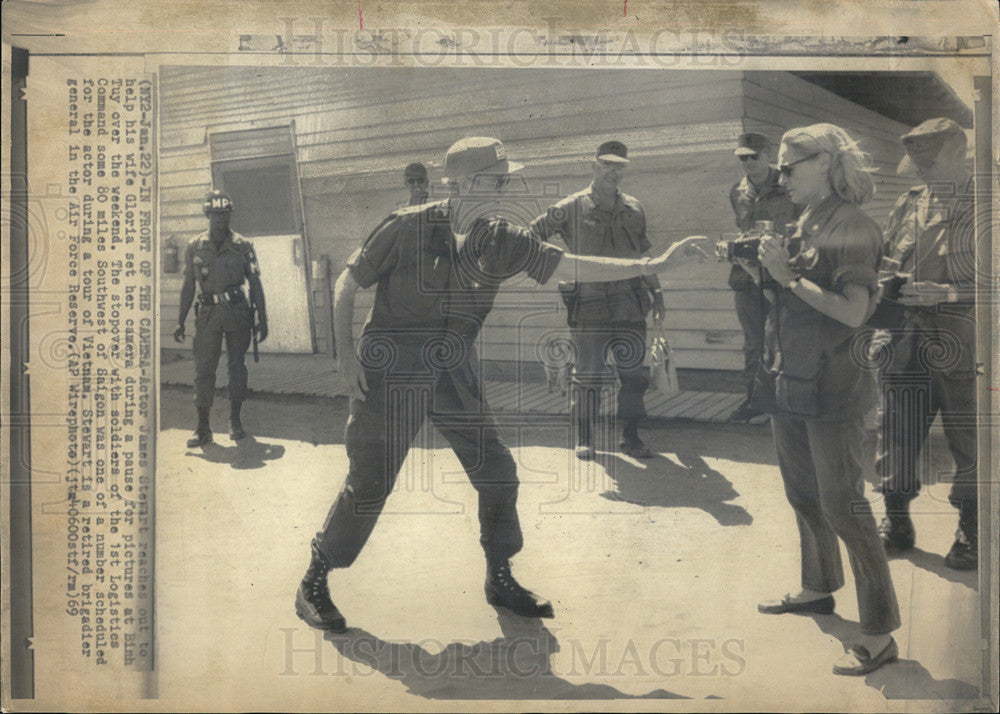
654 569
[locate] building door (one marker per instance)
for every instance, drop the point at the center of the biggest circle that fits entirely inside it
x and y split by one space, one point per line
257 168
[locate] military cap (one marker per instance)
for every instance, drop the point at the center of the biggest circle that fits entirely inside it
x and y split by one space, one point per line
478 154
751 144
613 152
926 140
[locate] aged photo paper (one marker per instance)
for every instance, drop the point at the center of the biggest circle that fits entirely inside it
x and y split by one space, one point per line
146 568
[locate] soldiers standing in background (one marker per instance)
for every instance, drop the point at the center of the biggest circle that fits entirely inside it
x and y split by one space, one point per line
758 197
607 316
220 261
415 176
930 239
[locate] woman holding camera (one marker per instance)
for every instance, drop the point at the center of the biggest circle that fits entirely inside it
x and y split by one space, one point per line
824 289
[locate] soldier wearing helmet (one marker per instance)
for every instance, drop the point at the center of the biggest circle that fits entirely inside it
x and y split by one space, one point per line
217 264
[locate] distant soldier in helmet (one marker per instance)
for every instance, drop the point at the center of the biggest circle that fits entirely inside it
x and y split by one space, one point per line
217 263
415 177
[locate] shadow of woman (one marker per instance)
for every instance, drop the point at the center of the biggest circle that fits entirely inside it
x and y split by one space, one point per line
248 453
515 666
687 483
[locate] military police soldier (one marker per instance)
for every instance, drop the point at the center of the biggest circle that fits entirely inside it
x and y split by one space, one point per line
217 263
437 268
415 177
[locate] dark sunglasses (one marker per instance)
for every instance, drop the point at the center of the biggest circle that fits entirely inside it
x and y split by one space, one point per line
749 157
786 169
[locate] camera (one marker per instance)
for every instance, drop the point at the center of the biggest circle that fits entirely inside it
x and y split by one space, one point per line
891 286
745 245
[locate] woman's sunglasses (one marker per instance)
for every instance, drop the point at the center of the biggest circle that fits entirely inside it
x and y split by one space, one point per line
786 169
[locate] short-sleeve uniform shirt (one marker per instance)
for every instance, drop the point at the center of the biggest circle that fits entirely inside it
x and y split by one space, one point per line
834 245
217 271
588 229
931 234
425 282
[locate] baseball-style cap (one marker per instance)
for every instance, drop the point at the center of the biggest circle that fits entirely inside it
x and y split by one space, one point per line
613 152
751 144
926 140
415 170
478 154
217 202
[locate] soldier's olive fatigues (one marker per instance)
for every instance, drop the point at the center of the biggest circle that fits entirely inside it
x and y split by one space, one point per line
931 366
819 395
606 317
223 312
417 350
750 204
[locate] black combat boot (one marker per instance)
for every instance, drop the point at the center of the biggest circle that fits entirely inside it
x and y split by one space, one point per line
503 591
312 602
631 444
964 553
235 426
897 529
203 432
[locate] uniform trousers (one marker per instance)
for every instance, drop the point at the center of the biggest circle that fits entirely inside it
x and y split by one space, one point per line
928 384
223 321
820 463
626 344
419 383
751 309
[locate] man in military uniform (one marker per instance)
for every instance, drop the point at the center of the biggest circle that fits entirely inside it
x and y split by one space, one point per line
608 316
216 265
415 177
757 197
930 337
437 269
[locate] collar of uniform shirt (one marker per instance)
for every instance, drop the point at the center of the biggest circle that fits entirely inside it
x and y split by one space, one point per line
595 199
227 243
812 222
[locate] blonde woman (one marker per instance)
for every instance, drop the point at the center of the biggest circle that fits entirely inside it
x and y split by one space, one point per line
824 289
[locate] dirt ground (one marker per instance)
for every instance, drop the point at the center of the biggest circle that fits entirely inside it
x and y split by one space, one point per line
654 569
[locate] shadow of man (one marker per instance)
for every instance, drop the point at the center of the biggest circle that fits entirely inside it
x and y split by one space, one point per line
248 453
688 482
934 563
515 666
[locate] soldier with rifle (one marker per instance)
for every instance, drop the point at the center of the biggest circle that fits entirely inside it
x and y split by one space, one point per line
218 263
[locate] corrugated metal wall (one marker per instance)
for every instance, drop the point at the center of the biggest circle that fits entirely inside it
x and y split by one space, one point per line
355 130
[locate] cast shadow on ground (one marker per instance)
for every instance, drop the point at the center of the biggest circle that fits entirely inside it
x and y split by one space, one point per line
663 482
902 679
247 453
934 563
514 666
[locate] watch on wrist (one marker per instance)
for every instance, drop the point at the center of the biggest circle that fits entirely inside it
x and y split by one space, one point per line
793 283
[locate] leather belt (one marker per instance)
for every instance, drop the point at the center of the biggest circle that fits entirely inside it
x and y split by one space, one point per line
233 295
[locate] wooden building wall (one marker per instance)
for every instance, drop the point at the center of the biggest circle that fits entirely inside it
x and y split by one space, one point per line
355 130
